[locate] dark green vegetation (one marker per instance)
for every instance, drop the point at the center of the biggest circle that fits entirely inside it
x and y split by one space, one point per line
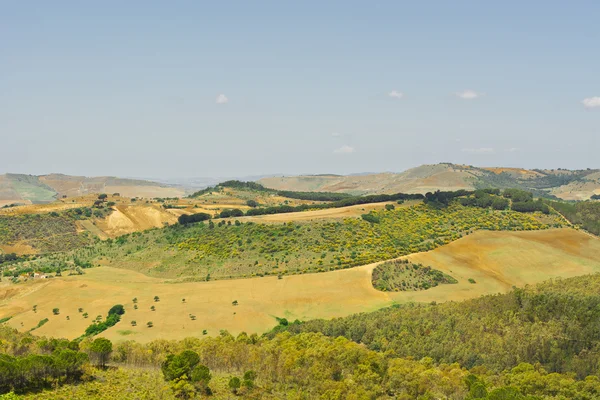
49 232
400 275
534 343
222 251
584 214
257 187
114 316
188 219
595 197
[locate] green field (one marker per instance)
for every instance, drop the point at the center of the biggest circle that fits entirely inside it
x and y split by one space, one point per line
223 250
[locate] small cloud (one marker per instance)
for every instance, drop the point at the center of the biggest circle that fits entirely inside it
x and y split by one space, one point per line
336 134
345 149
513 149
481 150
591 102
468 94
395 94
222 99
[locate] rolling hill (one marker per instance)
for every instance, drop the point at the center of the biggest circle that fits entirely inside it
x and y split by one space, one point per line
36 189
560 183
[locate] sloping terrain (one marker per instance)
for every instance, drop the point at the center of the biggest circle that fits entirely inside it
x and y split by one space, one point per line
422 179
27 189
564 184
495 260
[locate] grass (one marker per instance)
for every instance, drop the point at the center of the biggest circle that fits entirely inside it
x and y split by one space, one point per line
224 250
48 232
496 260
30 188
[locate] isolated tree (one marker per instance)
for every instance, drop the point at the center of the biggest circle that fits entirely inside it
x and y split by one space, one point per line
234 303
234 384
135 300
149 324
100 350
102 196
133 323
55 311
153 308
252 203
156 298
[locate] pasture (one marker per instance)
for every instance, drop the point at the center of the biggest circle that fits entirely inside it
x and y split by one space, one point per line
494 260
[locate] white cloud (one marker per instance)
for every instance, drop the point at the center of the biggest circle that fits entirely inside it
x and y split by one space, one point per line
468 94
481 150
395 94
591 102
222 99
513 149
345 149
336 134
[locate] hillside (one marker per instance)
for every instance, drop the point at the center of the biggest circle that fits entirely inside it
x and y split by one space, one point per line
564 184
485 256
32 189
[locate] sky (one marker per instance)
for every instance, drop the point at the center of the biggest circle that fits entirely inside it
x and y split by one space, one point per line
236 88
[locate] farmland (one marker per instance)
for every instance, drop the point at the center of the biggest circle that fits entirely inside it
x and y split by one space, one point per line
229 249
487 257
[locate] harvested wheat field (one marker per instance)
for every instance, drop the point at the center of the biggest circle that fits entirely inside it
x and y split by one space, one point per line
495 260
326 214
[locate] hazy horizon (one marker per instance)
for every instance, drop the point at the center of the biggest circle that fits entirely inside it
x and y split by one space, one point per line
189 89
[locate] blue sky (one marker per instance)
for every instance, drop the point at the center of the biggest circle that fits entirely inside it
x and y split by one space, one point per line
183 89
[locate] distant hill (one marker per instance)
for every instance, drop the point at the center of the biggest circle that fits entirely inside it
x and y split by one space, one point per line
560 183
35 189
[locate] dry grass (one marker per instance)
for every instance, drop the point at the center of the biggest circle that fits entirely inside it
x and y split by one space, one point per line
496 260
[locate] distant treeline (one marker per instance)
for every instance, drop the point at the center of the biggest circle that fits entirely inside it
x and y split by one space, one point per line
585 214
350 201
313 196
522 201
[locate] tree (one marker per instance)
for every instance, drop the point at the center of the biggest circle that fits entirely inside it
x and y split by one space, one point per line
55 311
234 303
234 384
149 324
117 310
133 323
252 203
389 207
156 298
100 350
102 196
